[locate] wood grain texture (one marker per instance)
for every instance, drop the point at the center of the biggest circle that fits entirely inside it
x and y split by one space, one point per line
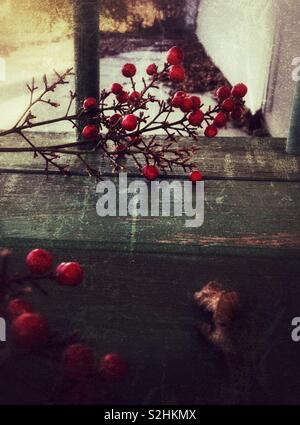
241 218
240 158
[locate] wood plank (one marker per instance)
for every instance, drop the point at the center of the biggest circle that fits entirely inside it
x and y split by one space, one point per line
241 218
242 158
141 306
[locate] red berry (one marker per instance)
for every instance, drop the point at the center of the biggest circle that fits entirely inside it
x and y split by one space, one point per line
223 93
135 96
196 118
90 103
211 131
151 69
239 90
177 73
115 119
236 115
69 274
78 361
90 132
150 172
196 102
116 88
122 97
177 99
228 105
196 176
30 330
120 149
129 70
18 306
175 56
220 119
113 367
39 261
187 104
129 122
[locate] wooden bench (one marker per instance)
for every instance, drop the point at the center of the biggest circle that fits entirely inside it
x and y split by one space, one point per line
141 272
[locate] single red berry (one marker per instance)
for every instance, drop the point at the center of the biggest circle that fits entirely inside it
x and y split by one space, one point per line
129 122
115 119
150 172
223 93
39 261
113 367
187 104
177 99
177 73
239 90
236 115
18 306
30 330
69 274
175 56
228 105
151 69
196 102
129 70
116 88
90 132
196 118
196 176
120 150
90 103
220 120
122 97
78 361
211 131
135 96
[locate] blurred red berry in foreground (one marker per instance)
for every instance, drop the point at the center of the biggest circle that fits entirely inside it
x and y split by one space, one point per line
78 361
228 105
113 367
69 274
116 88
220 120
39 261
18 306
30 330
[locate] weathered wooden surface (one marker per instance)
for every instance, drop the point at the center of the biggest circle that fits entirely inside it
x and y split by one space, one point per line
239 158
141 274
241 218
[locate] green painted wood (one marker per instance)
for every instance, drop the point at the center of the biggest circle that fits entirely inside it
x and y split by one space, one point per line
244 158
241 218
141 305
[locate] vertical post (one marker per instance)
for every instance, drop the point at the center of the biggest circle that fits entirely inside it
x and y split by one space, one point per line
293 141
86 43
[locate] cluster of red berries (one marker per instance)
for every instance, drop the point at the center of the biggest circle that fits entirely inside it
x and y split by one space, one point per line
230 106
30 330
79 361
